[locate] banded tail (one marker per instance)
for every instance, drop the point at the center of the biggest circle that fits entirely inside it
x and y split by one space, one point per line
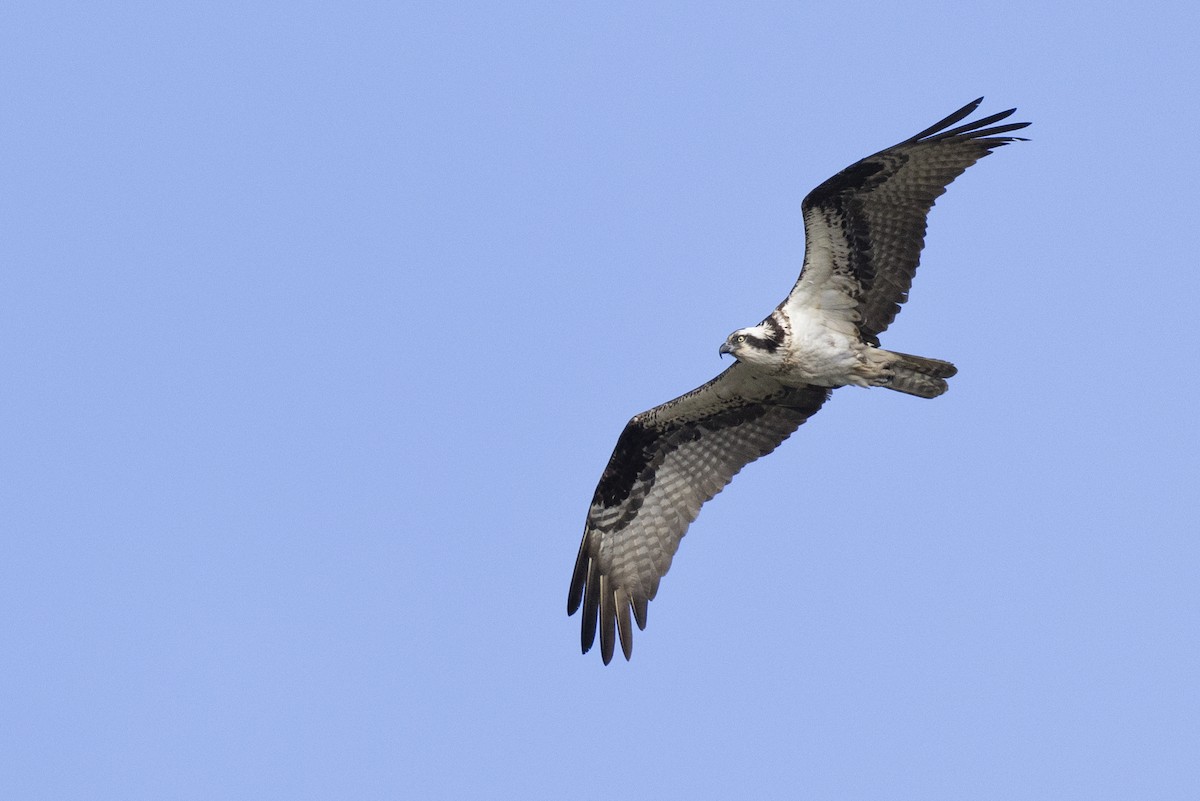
917 375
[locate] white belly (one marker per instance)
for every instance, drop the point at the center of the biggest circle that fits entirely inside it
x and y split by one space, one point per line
824 352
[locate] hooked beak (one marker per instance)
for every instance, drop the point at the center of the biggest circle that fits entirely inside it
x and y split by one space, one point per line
725 349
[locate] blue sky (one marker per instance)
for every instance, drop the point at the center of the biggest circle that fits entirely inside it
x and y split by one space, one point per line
319 321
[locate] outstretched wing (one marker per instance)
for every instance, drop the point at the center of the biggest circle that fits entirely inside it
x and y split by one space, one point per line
865 227
668 461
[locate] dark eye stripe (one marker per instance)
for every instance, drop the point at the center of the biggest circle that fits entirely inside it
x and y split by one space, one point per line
770 346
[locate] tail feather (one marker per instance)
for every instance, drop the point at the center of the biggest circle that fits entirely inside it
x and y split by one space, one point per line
918 375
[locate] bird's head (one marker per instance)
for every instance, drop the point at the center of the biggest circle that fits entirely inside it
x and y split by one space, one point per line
757 343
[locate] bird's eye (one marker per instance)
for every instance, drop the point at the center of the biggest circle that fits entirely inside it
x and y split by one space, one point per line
740 338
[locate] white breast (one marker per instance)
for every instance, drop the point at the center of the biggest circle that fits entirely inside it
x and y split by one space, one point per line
822 349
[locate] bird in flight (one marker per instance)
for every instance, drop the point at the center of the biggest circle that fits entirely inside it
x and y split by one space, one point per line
864 229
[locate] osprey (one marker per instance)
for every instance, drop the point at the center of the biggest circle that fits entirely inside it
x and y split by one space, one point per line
864 229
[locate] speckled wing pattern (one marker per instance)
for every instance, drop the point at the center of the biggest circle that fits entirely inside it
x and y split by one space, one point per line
865 227
667 462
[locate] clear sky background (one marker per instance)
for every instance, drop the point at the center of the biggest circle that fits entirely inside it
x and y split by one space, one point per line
318 322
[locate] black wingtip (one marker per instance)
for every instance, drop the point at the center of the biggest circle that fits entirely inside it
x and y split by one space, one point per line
961 114
591 607
978 129
639 612
624 625
578 577
976 126
608 620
